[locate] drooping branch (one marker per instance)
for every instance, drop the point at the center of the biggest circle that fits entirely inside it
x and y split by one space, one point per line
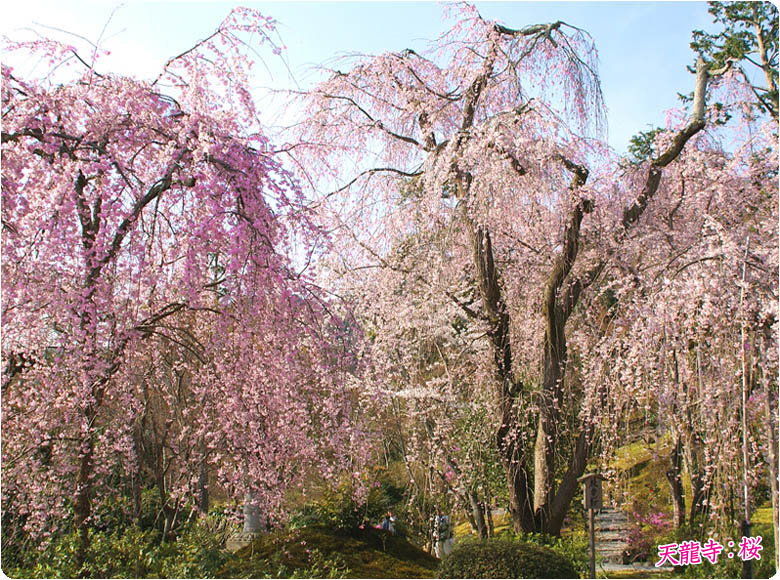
514 162
470 312
532 30
374 122
159 187
370 172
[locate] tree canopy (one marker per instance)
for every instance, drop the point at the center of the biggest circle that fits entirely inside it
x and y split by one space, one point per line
444 271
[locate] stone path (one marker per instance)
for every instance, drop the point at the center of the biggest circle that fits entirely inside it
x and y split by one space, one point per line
646 570
612 528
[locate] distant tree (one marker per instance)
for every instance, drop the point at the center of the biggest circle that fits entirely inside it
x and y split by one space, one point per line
749 43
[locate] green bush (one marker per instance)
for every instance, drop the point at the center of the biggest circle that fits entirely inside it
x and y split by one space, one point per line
503 558
130 553
338 509
573 547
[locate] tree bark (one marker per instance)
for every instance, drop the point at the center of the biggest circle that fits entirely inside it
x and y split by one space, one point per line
700 483
203 488
478 515
82 505
508 434
489 517
674 476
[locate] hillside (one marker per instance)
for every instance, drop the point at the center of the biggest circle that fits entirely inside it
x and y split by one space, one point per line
321 552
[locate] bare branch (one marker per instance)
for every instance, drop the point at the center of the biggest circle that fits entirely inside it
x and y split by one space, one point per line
374 122
632 213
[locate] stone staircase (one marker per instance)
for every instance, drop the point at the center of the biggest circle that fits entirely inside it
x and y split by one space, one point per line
612 527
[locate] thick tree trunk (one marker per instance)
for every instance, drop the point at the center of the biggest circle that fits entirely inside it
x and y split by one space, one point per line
518 480
539 507
534 506
674 476
549 418
700 483
478 515
82 505
489 519
550 504
520 508
508 436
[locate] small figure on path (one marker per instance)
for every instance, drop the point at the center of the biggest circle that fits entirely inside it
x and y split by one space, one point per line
389 522
442 534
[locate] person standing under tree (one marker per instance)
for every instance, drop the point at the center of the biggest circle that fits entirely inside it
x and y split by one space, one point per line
389 522
441 533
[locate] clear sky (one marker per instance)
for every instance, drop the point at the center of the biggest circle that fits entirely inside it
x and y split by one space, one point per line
643 46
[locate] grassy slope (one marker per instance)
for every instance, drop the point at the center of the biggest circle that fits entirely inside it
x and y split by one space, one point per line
646 484
376 554
367 553
645 466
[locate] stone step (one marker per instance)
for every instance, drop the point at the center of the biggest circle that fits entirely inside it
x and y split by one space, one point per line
611 554
612 528
611 541
611 525
611 545
610 517
612 536
612 531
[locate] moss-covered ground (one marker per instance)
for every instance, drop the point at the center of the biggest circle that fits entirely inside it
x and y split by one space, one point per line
320 552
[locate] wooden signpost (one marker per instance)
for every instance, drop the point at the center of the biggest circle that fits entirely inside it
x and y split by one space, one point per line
591 484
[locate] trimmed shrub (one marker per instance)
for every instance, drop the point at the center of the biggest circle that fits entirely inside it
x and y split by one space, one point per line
499 558
573 547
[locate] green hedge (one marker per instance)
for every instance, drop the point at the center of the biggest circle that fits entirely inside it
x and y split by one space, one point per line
127 553
500 558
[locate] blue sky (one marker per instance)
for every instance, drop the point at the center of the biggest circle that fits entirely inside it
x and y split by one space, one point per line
643 46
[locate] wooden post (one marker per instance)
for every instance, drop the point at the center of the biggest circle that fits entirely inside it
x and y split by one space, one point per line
592 542
591 483
747 565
